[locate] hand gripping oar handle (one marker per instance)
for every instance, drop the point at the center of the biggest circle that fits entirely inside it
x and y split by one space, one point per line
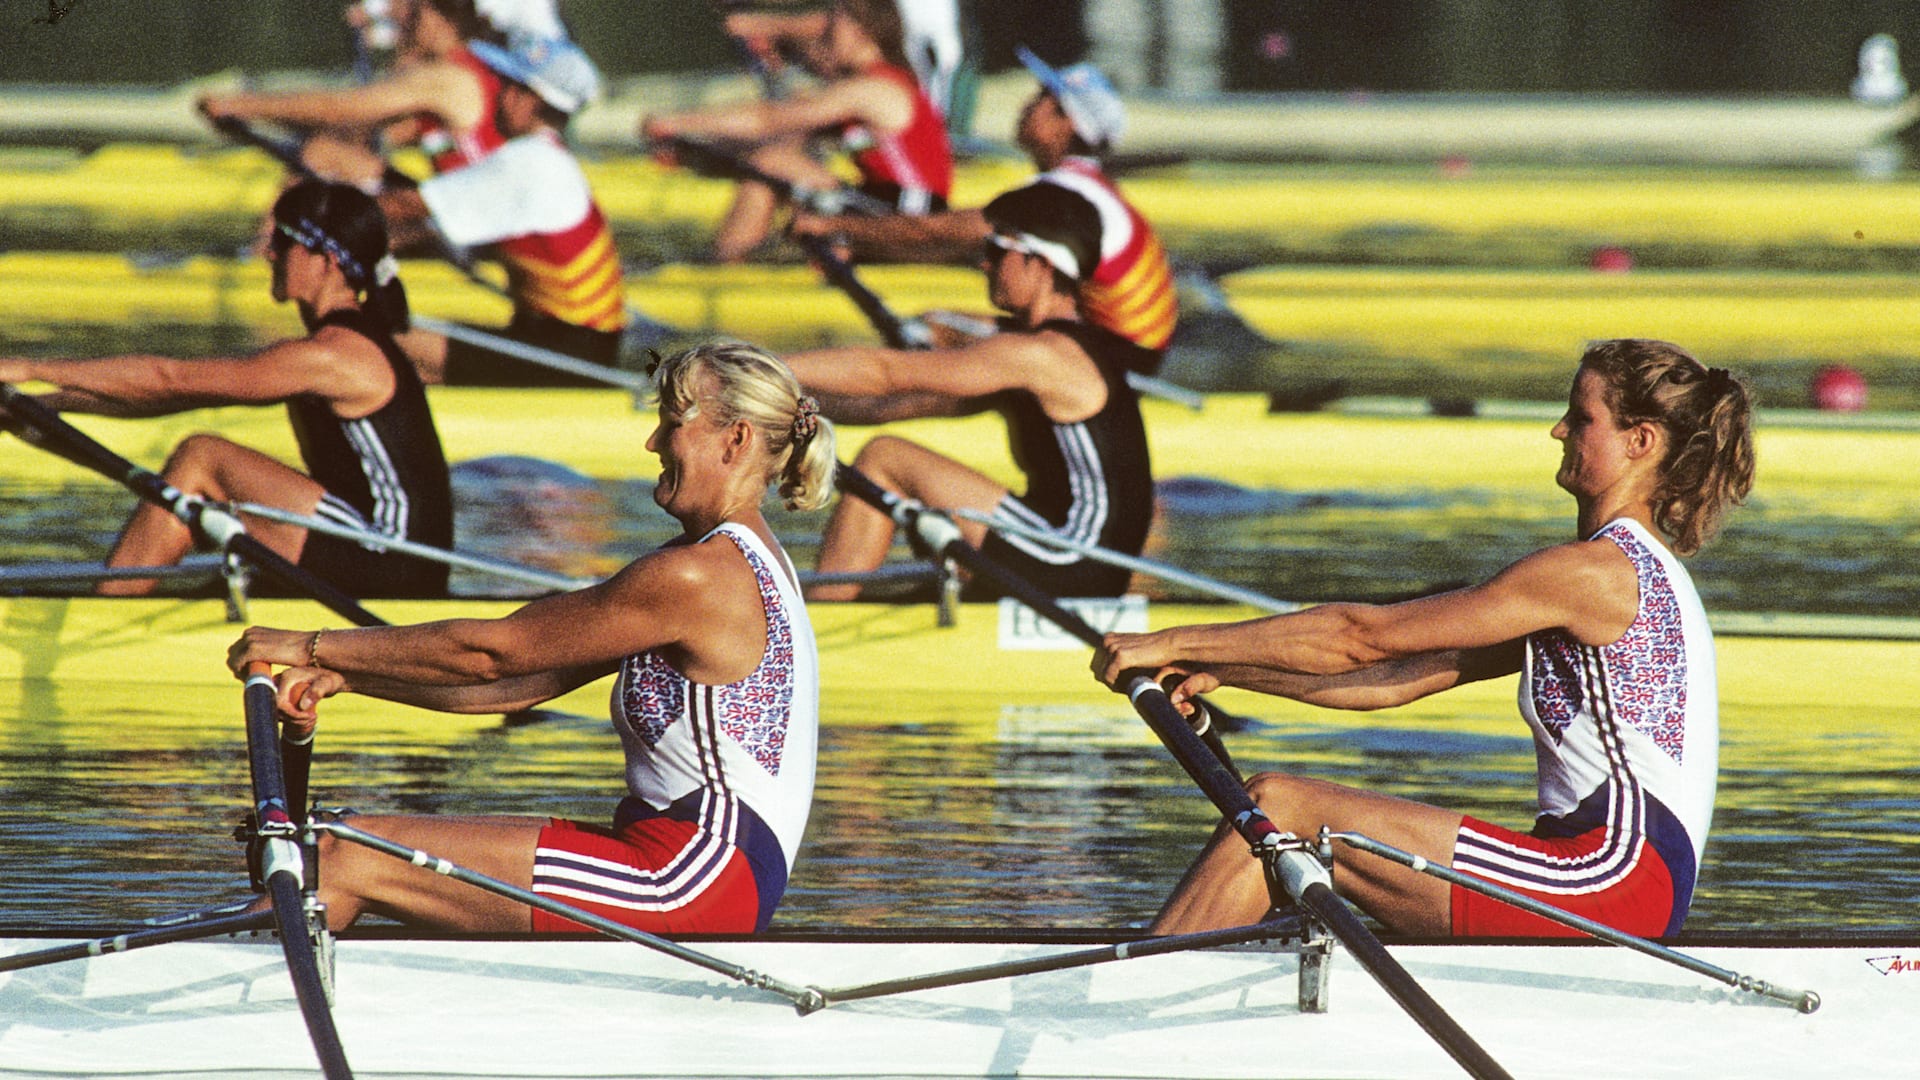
1304 879
48 430
283 870
938 532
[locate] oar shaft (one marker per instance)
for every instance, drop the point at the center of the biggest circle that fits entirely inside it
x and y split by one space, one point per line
1310 889
897 332
1340 920
939 533
283 869
139 939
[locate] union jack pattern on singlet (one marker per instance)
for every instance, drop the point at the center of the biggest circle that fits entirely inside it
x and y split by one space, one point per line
1627 737
735 760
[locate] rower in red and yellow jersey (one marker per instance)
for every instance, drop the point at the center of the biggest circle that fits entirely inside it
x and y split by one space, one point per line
439 96
1131 292
529 205
868 97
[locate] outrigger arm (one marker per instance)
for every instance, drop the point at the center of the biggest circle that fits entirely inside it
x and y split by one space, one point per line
1805 1001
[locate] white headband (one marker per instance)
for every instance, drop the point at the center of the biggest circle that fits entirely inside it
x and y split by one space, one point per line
1057 255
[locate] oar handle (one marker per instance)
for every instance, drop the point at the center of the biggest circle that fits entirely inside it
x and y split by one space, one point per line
282 868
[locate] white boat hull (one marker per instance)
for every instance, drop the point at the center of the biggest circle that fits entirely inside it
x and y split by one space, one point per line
449 1008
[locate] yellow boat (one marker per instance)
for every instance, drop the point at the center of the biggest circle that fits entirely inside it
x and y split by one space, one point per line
164 195
1844 472
1459 332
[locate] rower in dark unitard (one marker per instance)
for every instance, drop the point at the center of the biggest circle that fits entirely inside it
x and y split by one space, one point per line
358 411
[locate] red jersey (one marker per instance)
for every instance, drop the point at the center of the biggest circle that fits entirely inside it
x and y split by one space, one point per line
447 149
917 161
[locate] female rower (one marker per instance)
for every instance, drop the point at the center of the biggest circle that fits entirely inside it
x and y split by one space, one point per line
359 414
871 99
1616 671
716 701
439 96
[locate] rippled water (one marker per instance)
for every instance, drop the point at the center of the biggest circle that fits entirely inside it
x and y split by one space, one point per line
1006 815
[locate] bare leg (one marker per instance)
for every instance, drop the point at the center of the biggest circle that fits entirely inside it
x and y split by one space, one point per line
857 535
355 879
222 471
750 218
1227 886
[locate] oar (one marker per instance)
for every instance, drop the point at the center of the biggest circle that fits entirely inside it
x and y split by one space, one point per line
192 930
1300 874
283 870
1289 865
939 533
44 428
286 150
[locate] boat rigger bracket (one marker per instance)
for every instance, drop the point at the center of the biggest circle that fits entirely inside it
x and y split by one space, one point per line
1292 864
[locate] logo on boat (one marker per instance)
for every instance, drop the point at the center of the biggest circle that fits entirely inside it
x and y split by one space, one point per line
1022 628
1894 965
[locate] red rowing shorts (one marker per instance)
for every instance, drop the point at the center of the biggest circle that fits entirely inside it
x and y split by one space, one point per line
1637 898
658 875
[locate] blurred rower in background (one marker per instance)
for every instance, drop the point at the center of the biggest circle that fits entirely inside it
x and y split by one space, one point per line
1073 424
897 138
1069 126
439 96
372 455
530 204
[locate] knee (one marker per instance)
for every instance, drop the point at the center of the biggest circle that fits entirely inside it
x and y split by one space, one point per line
196 461
885 457
1273 791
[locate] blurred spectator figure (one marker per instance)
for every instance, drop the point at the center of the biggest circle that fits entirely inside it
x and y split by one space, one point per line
1880 81
870 99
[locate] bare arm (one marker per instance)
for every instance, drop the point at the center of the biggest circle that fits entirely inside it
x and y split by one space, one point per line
1588 589
1376 686
696 603
871 100
141 385
951 237
440 87
990 365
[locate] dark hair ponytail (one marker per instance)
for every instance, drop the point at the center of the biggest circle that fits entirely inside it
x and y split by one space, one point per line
345 223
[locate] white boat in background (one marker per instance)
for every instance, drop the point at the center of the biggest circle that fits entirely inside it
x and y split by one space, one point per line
419 1008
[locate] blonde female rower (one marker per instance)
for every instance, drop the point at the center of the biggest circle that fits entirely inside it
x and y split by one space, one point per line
716 699
1616 681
